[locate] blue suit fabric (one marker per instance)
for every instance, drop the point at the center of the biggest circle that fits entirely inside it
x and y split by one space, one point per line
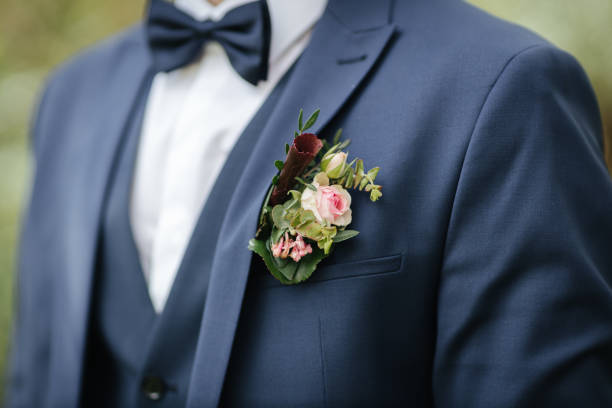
124 354
482 278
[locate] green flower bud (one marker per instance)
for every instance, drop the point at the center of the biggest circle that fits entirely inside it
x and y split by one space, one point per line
334 165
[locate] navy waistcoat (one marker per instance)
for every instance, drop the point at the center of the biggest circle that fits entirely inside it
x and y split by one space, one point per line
144 358
482 278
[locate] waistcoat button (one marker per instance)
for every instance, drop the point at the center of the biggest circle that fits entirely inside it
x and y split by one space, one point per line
153 388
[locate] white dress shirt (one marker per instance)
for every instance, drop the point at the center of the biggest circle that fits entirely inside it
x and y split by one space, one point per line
193 118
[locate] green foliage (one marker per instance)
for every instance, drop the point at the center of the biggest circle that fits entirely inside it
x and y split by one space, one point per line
310 121
344 235
352 175
306 184
302 127
291 218
300 117
337 136
285 270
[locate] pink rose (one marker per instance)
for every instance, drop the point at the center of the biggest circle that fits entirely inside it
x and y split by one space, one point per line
328 203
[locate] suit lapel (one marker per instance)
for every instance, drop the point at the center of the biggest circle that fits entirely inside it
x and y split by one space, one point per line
342 50
128 86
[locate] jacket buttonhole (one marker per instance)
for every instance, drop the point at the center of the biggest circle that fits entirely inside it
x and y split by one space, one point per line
352 60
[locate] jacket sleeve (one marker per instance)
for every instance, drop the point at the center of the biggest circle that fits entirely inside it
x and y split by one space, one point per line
29 346
525 296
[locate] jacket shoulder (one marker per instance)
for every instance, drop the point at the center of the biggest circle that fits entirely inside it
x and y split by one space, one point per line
102 56
453 46
72 86
462 32
462 23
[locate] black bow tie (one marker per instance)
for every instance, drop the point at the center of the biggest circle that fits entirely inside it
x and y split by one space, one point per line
176 39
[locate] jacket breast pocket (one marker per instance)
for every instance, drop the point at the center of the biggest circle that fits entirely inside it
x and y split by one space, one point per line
344 270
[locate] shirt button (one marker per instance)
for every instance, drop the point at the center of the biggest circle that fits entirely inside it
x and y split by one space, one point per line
153 388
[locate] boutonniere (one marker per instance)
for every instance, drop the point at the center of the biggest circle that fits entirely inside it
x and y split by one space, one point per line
308 207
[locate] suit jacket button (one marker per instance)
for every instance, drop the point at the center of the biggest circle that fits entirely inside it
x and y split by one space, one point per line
153 388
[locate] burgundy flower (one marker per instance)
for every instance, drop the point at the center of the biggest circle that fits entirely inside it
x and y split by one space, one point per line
304 149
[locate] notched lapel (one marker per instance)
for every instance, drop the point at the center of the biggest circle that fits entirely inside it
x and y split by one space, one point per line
336 61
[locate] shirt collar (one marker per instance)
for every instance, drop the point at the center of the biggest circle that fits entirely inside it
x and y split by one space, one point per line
290 19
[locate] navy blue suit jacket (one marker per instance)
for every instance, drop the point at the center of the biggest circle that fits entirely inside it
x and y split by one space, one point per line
481 279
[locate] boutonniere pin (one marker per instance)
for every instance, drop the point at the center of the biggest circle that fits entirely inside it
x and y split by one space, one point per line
308 207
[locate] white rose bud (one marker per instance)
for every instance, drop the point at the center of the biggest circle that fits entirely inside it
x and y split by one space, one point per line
335 166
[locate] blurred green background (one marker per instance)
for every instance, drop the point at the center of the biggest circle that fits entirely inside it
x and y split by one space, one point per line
36 35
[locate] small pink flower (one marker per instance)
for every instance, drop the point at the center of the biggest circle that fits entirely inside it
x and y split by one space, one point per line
286 246
298 247
295 256
277 248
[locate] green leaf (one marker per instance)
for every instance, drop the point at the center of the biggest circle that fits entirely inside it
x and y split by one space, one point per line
375 194
344 235
287 267
287 271
293 203
325 237
276 234
332 150
325 147
321 178
325 244
265 206
325 162
278 217
305 223
373 173
300 125
336 138
310 186
287 147
344 144
300 218
307 265
349 179
358 173
364 182
261 249
279 164
351 163
275 180
311 120
295 196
